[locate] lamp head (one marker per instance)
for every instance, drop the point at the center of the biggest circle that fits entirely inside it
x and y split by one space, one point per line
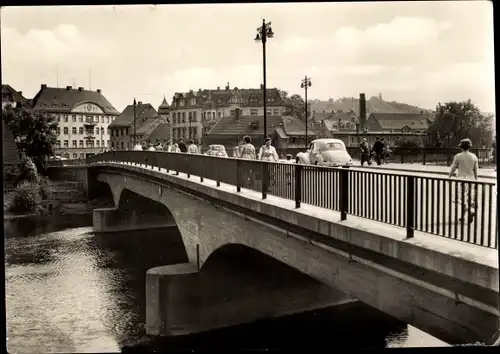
309 83
270 33
257 37
302 85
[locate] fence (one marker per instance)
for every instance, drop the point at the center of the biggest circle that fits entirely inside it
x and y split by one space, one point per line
62 163
438 156
434 205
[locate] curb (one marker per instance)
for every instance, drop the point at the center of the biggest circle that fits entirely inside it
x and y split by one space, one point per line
417 171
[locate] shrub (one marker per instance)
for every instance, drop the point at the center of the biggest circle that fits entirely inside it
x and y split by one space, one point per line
26 198
11 173
45 190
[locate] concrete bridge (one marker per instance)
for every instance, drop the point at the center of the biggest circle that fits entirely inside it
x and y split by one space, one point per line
445 287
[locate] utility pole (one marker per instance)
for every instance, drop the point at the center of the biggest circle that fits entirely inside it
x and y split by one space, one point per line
135 136
264 32
306 82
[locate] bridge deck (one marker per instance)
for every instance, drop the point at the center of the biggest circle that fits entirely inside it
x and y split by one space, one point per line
484 255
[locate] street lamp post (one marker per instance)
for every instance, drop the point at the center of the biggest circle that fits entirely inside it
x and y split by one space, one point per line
135 136
263 33
306 82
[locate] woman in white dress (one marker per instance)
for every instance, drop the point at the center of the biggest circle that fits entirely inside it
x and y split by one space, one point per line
267 152
175 148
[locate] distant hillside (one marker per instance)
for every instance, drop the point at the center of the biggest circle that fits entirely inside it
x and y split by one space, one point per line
373 105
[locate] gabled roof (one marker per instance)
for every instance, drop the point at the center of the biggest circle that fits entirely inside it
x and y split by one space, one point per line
51 99
10 151
295 127
126 118
246 97
161 133
229 125
400 120
11 95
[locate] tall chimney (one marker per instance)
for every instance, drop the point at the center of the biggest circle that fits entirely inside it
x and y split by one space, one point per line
68 88
44 86
362 110
98 90
80 89
20 92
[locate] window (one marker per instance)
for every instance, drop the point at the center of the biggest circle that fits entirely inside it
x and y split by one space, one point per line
276 112
97 143
58 119
97 131
268 111
194 116
102 119
80 143
231 112
65 143
73 130
65 118
183 117
220 115
254 112
58 143
73 143
82 155
193 101
102 142
80 119
190 116
65 130
58 130
66 156
107 119
102 130
96 119
123 145
80 130
113 144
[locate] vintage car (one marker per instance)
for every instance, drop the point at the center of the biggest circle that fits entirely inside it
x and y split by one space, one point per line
326 152
216 150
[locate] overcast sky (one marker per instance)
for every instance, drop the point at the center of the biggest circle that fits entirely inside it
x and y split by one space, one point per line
419 53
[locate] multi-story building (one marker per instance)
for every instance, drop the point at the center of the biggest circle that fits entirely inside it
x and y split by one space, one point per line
193 114
83 118
14 98
122 129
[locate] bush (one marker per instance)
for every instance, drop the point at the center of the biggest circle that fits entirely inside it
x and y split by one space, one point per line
11 173
45 190
26 198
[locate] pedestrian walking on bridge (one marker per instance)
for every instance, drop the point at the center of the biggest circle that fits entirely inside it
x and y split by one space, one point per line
365 152
466 165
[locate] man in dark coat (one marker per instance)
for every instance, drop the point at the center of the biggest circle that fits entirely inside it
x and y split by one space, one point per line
378 149
182 146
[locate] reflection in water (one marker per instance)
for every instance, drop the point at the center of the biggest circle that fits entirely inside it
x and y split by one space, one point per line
68 290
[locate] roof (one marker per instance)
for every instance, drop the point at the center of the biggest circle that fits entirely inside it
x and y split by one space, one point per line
10 151
11 95
400 120
126 118
342 117
52 99
223 97
230 125
161 132
295 127
164 104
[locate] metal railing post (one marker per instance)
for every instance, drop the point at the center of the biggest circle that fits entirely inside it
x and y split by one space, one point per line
344 193
265 178
217 179
410 206
298 185
238 177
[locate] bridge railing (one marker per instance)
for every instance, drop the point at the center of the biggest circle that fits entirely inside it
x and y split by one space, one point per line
435 205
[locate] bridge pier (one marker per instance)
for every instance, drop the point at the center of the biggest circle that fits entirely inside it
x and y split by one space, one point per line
181 300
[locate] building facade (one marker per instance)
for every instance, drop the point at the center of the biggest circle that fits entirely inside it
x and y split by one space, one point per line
83 117
11 97
194 114
122 129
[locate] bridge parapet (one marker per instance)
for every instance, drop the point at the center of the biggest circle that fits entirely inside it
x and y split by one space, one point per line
459 209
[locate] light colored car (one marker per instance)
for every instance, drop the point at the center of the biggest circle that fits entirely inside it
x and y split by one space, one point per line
216 150
326 152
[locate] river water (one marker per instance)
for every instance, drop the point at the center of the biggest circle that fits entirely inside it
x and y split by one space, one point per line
68 290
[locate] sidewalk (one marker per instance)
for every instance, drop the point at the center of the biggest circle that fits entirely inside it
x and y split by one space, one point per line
418 167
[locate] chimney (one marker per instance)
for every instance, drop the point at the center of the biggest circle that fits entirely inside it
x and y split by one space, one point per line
98 90
139 103
80 89
362 110
44 86
68 88
20 92
218 88
199 90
